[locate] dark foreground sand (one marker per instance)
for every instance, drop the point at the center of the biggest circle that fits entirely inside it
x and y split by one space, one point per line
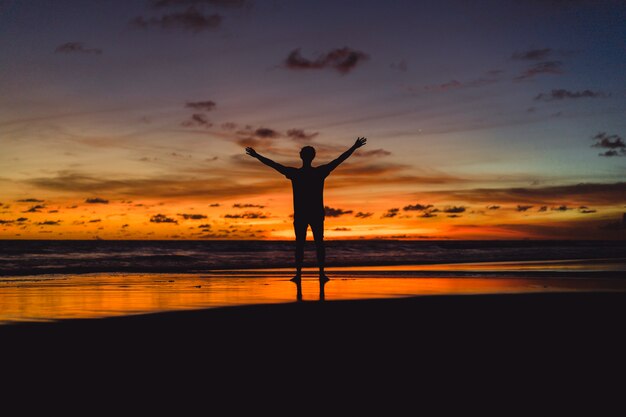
522 347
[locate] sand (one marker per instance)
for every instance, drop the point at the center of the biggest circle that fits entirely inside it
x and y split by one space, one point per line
381 356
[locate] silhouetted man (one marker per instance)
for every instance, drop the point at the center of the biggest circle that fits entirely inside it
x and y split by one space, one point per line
308 199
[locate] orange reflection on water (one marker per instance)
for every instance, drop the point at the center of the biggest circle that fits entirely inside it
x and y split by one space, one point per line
45 298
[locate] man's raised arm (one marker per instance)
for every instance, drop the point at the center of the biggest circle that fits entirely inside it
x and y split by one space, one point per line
278 167
334 164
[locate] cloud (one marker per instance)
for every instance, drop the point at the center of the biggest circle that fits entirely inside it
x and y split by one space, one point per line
561 94
401 66
21 219
95 221
454 209
174 186
239 205
214 205
96 200
190 20
49 223
7 221
206 105
533 54
335 212
444 86
494 207
373 152
35 209
29 200
300 135
204 226
417 207
613 144
546 67
524 207
76 48
342 60
247 215
264 132
229 126
363 215
428 215
542 209
584 193
586 210
454 216
187 216
219 3
392 212
197 120
162 218
488 77
342 229
560 208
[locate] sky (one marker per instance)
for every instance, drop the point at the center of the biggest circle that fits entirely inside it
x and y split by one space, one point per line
490 119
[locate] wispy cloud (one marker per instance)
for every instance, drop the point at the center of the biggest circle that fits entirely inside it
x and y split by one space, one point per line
371 153
533 54
546 67
206 105
335 212
162 218
342 60
401 65
239 205
301 135
392 212
197 120
49 223
35 209
247 215
363 215
76 48
454 209
191 19
613 144
188 216
29 200
584 194
218 3
157 187
417 207
488 77
561 94
96 200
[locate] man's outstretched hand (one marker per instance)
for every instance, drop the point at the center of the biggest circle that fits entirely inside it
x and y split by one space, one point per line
251 152
359 142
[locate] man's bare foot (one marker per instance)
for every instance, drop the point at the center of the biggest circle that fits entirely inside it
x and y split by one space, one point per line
296 279
324 278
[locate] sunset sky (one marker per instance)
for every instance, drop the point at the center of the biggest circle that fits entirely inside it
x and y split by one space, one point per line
486 119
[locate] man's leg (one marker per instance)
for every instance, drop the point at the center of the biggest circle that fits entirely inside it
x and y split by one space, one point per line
299 228
318 234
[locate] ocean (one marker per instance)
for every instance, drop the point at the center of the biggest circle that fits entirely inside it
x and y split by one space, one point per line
31 257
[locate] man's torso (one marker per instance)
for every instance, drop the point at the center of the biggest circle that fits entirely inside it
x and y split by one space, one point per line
308 192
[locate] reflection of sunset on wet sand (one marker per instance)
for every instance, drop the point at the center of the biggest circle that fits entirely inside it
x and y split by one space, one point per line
103 295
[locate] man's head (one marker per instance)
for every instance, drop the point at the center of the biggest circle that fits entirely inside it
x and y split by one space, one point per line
307 154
